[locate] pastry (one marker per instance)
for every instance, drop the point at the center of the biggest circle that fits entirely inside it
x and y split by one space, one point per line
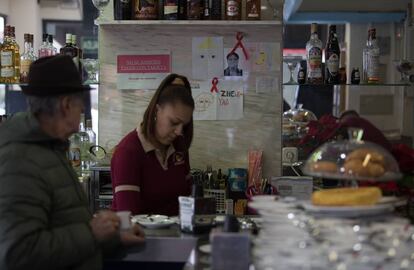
366 155
365 162
347 196
324 166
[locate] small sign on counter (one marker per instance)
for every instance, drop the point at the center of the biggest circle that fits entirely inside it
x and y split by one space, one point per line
299 187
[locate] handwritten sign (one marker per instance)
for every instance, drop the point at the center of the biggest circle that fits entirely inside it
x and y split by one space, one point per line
207 57
142 70
222 102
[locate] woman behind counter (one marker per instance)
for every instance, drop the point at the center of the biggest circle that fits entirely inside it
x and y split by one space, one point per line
150 167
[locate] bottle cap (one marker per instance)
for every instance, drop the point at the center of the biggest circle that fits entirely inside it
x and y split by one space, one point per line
314 28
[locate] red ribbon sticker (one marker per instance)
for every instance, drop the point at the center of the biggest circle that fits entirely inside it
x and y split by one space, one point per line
214 87
239 37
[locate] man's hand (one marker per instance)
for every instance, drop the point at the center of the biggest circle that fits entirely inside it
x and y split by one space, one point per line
133 236
104 224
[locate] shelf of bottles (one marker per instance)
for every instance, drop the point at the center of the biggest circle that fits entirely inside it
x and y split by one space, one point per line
188 23
348 84
15 62
190 12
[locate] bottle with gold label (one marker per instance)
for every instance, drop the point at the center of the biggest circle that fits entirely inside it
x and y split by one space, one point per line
10 58
233 9
146 9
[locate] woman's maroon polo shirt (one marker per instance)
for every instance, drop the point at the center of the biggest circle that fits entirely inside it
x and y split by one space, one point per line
142 182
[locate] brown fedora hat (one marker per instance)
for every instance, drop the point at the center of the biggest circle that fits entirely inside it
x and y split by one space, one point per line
54 75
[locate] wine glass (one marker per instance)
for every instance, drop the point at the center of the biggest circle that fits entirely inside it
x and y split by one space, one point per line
100 5
291 62
405 68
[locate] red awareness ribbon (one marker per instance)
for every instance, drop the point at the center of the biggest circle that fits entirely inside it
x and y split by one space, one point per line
214 87
239 37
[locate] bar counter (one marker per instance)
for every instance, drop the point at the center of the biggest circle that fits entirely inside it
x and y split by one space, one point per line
163 249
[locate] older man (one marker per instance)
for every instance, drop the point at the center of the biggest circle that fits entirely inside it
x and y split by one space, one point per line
45 222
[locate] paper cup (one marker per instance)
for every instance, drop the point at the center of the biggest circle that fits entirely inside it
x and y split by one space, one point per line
125 217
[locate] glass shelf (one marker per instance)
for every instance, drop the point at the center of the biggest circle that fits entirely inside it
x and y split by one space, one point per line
22 84
187 22
361 84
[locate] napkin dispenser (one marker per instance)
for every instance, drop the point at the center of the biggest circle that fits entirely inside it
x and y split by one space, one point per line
196 212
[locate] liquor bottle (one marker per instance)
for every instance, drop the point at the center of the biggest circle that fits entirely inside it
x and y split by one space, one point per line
146 9
84 145
215 10
10 58
206 10
253 10
76 55
355 77
365 57
32 51
301 75
4 44
194 9
314 57
90 132
74 154
26 59
68 49
52 50
43 49
233 9
122 9
171 9
182 9
372 58
332 54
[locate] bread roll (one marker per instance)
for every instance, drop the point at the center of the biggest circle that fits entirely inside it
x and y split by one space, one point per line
362 154
347 196
324 166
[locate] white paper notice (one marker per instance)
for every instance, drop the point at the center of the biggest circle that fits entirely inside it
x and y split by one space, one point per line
266 84
207 57
223 102
142 70
205 101
235 63
230 100
265 56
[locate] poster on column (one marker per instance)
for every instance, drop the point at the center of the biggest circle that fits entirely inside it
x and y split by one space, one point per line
207 57
142 70
222 100
230 100
235 63
205 101
265 56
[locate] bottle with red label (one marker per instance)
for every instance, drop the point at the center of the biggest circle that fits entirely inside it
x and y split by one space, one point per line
332 54
314 57
233 9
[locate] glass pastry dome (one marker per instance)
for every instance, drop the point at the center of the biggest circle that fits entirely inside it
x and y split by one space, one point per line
299 116
295 122
352 159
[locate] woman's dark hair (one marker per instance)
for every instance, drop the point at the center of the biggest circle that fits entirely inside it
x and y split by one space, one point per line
348 113
232 53
169 91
